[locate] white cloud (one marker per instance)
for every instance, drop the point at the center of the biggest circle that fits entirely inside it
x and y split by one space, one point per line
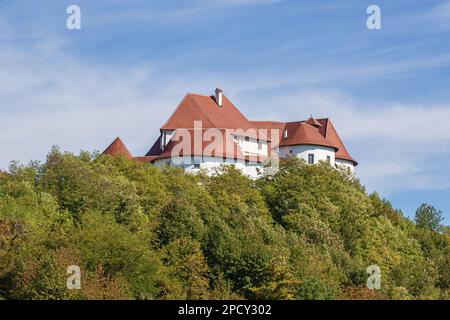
395 144
50 97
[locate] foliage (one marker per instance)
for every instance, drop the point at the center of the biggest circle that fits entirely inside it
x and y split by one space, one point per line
139 232
428 217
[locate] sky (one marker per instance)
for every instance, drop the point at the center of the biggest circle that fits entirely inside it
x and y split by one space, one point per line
125 71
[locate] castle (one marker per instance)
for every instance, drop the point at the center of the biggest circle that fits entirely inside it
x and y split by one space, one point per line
205 132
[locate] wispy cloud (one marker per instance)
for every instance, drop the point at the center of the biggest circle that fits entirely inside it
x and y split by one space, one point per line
60 88
59 100
398 146
181 12
49 97
441 14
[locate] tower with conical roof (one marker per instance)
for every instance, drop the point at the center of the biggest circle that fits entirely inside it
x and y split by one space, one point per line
118 148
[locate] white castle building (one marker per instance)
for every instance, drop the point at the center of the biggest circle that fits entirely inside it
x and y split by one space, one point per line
206 132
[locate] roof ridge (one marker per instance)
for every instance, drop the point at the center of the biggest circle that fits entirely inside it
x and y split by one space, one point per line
237 109
199 107
272 121
186 96
313 122
176 109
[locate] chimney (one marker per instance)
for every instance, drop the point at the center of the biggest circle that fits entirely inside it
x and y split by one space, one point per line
219 96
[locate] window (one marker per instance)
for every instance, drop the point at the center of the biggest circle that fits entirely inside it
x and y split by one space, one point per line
247 162
290 151
247 138
310 159
163 140
285 133
328 159
196 165
259 145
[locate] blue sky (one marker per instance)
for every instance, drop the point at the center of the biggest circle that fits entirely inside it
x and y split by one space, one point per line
122 74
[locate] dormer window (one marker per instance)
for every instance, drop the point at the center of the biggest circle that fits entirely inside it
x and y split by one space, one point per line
285 134
163 140
166 136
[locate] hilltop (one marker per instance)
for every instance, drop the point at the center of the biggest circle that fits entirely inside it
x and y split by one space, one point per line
140 232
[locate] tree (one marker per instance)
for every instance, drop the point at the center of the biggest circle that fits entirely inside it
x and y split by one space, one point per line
138 232
279 282
186 262
428 217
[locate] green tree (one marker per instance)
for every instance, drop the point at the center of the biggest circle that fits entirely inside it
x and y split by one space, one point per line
428 217
187 263
141 232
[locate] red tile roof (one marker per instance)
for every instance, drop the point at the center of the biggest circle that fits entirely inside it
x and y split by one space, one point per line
330 133
308 136
300 133
116 148
313 122
212 148
196 107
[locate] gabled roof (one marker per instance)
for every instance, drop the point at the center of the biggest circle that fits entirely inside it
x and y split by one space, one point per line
196 107
313 122
230 120
116 148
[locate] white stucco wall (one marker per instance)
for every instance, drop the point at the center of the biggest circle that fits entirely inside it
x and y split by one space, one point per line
347 165
302 151
251 146
210 164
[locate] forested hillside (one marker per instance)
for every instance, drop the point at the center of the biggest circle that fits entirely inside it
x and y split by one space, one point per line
138 232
